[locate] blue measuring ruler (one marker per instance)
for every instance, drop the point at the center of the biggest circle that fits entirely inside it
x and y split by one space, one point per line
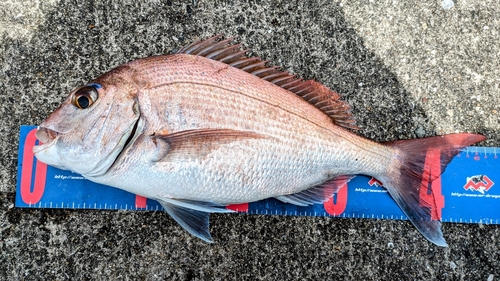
467 192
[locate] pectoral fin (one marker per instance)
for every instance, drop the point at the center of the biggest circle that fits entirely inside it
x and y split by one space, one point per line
196 143
193 216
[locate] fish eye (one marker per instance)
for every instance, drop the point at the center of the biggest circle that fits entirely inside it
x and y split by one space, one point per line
85 97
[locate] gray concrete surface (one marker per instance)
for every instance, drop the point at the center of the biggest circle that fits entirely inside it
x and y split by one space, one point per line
408 68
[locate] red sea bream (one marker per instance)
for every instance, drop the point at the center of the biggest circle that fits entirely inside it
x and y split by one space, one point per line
208 127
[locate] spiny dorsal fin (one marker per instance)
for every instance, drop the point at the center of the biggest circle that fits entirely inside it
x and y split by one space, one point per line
313 92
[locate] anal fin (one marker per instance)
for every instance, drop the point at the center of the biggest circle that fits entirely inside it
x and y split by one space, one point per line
318 194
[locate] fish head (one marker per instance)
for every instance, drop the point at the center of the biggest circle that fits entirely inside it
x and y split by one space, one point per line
88 131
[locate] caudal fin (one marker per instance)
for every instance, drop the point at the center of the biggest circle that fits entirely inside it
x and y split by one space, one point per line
417 164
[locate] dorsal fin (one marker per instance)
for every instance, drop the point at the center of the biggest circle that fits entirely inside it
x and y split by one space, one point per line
313 92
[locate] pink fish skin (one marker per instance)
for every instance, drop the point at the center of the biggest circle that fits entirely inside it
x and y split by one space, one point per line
208 127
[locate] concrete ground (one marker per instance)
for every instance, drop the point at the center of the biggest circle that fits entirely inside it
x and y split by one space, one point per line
408 68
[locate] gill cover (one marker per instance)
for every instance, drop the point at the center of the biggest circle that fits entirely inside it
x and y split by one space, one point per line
90 129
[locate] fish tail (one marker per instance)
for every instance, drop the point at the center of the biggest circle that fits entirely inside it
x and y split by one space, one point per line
417 163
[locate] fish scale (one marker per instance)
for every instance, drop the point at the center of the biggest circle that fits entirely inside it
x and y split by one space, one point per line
189 71
198 98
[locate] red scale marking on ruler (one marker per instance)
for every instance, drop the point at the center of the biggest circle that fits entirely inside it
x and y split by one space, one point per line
32 192
430 191
140 202
336 205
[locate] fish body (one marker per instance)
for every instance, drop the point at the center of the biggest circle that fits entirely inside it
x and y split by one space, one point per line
291 145
208 127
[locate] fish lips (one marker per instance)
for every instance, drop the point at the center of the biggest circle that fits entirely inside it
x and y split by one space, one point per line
46 135
46 151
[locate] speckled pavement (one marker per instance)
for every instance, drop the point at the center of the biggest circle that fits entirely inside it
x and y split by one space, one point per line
408 68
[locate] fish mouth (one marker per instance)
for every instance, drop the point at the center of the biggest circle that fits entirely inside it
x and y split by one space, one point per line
46 137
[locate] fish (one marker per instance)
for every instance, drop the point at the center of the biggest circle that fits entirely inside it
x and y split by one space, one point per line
208 126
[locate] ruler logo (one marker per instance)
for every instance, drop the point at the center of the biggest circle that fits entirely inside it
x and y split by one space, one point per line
480 183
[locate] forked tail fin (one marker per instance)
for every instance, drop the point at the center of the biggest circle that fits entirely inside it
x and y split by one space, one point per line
417 163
